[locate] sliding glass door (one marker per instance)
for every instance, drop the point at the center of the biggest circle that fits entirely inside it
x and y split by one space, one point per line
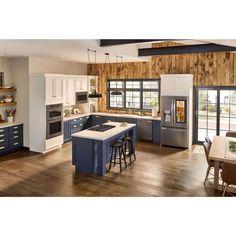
206 113
215 112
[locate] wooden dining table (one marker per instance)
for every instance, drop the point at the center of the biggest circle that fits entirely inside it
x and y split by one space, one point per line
220 152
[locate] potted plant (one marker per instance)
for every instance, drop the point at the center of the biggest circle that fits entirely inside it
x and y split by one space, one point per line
154 105
10 115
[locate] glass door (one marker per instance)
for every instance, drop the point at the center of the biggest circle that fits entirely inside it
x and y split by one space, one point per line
227 111
206 113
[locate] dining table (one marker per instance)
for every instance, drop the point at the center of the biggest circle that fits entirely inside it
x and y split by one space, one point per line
220 152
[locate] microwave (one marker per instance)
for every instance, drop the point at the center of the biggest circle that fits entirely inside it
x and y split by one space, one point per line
81 97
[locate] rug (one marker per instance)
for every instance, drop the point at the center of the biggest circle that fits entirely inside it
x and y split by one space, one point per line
199 150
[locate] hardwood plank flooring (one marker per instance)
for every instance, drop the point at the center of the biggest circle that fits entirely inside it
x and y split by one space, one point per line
158 171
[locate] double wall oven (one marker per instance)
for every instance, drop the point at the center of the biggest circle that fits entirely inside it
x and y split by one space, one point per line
54 120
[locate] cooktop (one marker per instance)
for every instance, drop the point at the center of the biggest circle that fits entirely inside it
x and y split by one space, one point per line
101 128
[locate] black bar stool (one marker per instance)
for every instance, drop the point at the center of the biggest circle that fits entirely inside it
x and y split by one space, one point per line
117 147
129 148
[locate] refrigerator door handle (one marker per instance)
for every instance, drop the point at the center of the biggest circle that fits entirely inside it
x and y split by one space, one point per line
196 112
175 129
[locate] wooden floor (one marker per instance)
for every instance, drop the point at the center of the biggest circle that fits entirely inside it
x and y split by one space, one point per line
158 171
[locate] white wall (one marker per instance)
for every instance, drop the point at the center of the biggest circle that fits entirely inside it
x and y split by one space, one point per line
5 66
20 80
46 65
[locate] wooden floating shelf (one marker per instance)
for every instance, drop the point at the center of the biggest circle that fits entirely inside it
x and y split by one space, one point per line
7 90
7 104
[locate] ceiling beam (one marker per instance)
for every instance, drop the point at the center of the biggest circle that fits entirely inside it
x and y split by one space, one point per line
114 42
186 49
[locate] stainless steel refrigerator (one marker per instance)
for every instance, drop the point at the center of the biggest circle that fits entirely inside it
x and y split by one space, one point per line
174 121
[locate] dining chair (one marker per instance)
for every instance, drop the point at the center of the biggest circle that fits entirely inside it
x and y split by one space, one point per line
207 147
208 140
228 176
231 134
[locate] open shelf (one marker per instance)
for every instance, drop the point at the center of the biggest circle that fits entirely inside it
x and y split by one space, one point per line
7 90
7 104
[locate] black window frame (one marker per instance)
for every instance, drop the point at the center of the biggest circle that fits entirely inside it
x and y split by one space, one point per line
195 118
124 89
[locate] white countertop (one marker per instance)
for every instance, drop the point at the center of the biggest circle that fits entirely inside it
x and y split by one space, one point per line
126 116
111 114
90 134
6 124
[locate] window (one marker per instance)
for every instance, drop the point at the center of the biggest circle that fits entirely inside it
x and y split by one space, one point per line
133 94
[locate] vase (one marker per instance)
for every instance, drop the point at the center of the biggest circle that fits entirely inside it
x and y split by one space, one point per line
154 112
10 119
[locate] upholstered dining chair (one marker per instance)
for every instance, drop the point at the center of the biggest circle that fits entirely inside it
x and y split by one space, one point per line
228 176
207 147
231 134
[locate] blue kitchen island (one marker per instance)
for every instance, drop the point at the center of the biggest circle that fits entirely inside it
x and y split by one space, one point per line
91 149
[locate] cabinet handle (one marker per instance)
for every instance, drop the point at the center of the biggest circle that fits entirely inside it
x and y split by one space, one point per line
2 135
75 120
80 124
74 126
2 148
2 140
15 127
1 130
16 144
15 132
80 118
97 116
16 136
149 121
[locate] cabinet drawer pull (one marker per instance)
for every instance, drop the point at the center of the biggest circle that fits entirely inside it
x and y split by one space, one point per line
2 140
15 132
1 130
80 124
80 118
15 127
74 126
16 136
97 116
75 120
16 144
2 148
2 135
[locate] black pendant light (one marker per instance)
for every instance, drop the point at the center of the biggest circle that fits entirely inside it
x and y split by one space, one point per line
94 93
117 92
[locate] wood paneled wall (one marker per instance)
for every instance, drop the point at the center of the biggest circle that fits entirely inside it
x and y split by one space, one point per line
209 69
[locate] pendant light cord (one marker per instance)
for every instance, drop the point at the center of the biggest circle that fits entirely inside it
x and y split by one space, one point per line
95 60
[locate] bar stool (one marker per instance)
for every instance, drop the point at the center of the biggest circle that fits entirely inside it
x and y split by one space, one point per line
128 144
117 147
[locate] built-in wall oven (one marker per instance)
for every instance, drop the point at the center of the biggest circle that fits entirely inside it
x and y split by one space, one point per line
54 120
81 97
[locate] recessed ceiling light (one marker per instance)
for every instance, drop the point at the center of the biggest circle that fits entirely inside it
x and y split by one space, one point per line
1 54
62 56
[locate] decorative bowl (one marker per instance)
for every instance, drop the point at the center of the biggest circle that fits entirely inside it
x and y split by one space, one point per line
7 99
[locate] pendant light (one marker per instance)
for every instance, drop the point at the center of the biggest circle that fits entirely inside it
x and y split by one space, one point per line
117 92
94 93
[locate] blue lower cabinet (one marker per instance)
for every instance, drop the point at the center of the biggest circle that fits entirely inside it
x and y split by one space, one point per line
97 120
156 131
67 133
11 139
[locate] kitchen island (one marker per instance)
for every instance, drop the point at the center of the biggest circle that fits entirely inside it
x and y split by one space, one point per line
91 149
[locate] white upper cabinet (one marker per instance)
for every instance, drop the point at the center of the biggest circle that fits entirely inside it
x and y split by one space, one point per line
68 92
81 83
176 85
53 90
